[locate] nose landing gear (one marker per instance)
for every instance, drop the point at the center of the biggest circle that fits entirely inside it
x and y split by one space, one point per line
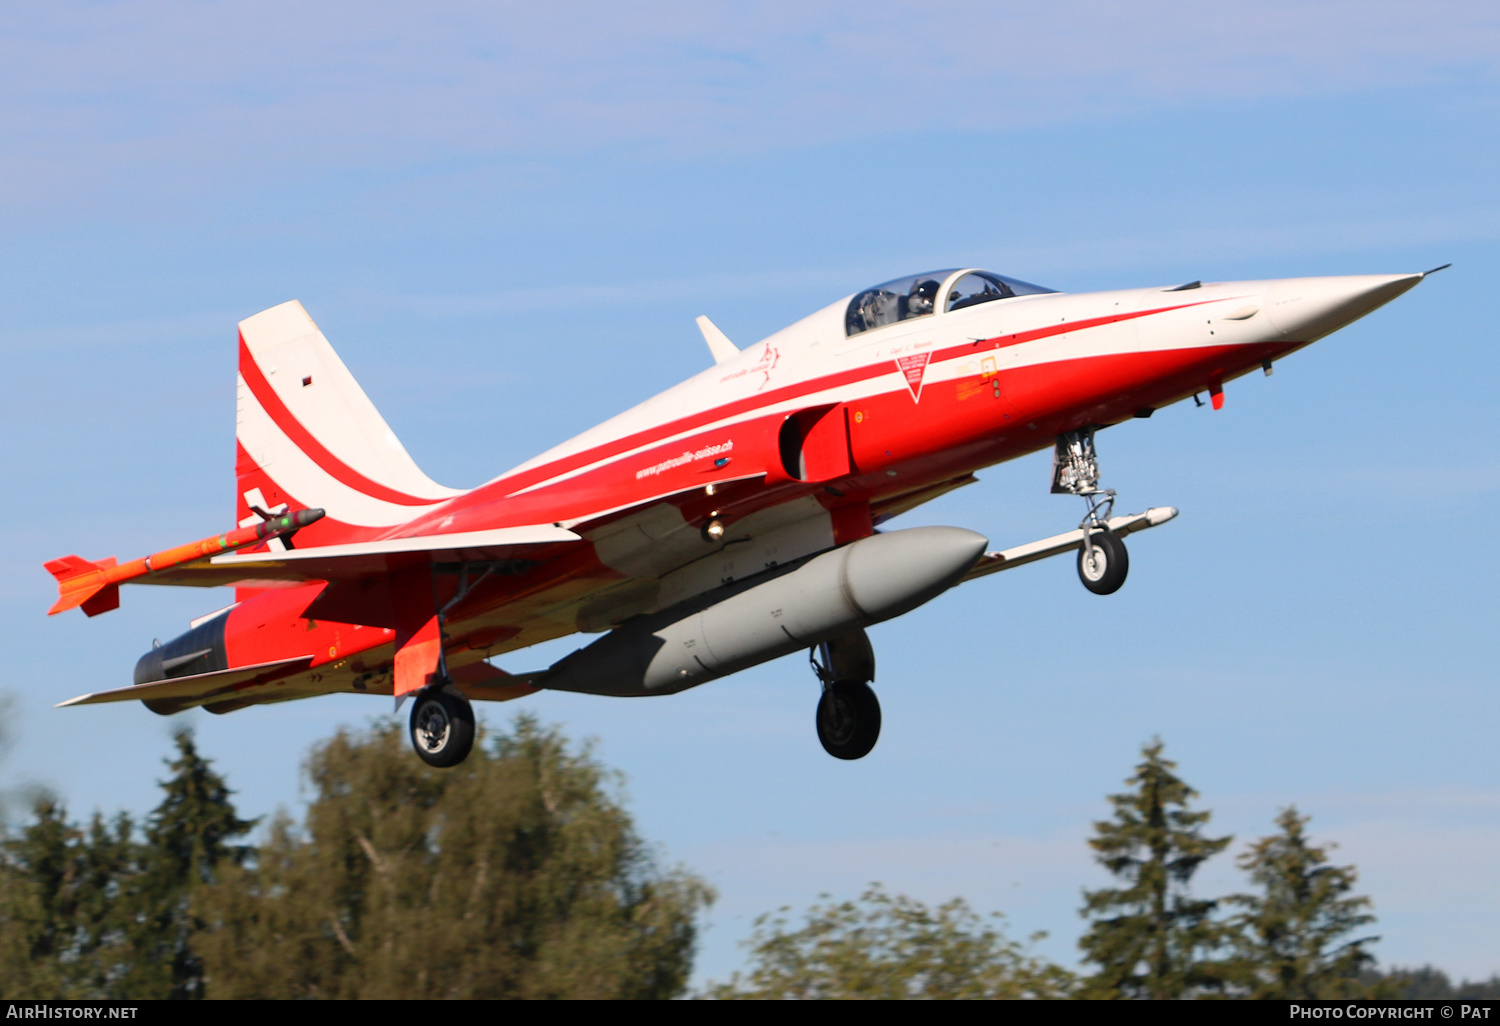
1103 561
848 717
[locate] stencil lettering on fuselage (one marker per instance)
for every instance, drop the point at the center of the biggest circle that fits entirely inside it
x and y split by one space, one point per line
913 368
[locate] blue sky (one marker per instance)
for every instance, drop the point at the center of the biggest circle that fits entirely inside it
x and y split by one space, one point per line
506 218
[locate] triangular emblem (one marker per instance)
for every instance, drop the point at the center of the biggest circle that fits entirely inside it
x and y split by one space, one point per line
912 368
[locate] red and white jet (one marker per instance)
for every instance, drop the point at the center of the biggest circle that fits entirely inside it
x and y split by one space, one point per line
730 520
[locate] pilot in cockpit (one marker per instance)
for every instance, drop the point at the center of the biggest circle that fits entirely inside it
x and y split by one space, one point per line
922 298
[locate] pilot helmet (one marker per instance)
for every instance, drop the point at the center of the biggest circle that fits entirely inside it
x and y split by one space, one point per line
923 296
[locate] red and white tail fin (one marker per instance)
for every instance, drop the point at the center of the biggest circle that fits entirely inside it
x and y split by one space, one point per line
308 436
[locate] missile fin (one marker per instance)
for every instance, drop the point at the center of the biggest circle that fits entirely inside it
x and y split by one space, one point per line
102 601
79 582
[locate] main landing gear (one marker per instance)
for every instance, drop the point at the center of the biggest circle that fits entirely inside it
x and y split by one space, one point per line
1103 561
442 726
848 717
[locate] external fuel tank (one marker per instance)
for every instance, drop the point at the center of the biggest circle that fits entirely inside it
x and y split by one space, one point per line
762 618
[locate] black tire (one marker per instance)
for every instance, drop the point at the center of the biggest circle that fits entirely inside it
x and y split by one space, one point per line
442 726
1110 565
848 720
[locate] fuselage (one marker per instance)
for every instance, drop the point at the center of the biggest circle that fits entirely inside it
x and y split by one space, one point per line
802 442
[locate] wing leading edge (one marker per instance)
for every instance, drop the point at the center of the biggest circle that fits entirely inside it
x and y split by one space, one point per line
79 579
177 693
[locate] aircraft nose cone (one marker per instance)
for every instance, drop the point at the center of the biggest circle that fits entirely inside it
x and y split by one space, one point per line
1305 309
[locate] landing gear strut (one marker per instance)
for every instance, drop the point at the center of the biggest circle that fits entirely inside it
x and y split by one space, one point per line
1103 561
848 716
442 726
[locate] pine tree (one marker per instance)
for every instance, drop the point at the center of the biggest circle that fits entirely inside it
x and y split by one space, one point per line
1291 935
104 916
1151 938
40 871
24 972
186 842
107 867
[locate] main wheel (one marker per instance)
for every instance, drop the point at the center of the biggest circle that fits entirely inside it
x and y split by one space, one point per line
1105 571
442 726
848 720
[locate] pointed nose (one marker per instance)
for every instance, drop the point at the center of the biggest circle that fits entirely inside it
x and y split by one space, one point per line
1306 309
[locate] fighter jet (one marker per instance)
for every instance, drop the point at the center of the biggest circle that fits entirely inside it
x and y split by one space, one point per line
733 519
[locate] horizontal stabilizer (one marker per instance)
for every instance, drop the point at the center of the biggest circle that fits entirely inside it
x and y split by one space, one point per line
994 562
185 692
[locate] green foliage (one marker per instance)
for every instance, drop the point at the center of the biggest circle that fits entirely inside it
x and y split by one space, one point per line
890 947
63 905
26 970
36 909
186 842
519 874
1290 938
1428 984
1151 938
516 874
102 915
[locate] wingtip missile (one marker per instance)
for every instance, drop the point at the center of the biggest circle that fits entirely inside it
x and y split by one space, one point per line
94 585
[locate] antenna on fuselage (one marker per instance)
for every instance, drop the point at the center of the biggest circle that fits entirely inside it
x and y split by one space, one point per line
718 342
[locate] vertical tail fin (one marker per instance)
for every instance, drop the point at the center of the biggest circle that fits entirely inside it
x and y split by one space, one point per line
308 436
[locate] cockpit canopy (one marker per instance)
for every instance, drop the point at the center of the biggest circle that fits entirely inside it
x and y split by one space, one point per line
917 296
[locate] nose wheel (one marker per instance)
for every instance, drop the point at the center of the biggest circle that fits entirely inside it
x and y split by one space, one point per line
1102 559
1103 563
442 726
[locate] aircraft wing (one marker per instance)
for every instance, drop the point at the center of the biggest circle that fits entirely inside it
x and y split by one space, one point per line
1020 555
176 693
363 559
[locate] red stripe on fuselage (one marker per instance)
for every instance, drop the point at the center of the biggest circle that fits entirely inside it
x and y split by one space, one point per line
304 440
1062 328
659 433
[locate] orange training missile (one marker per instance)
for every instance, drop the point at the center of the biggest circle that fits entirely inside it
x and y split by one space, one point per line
96 585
